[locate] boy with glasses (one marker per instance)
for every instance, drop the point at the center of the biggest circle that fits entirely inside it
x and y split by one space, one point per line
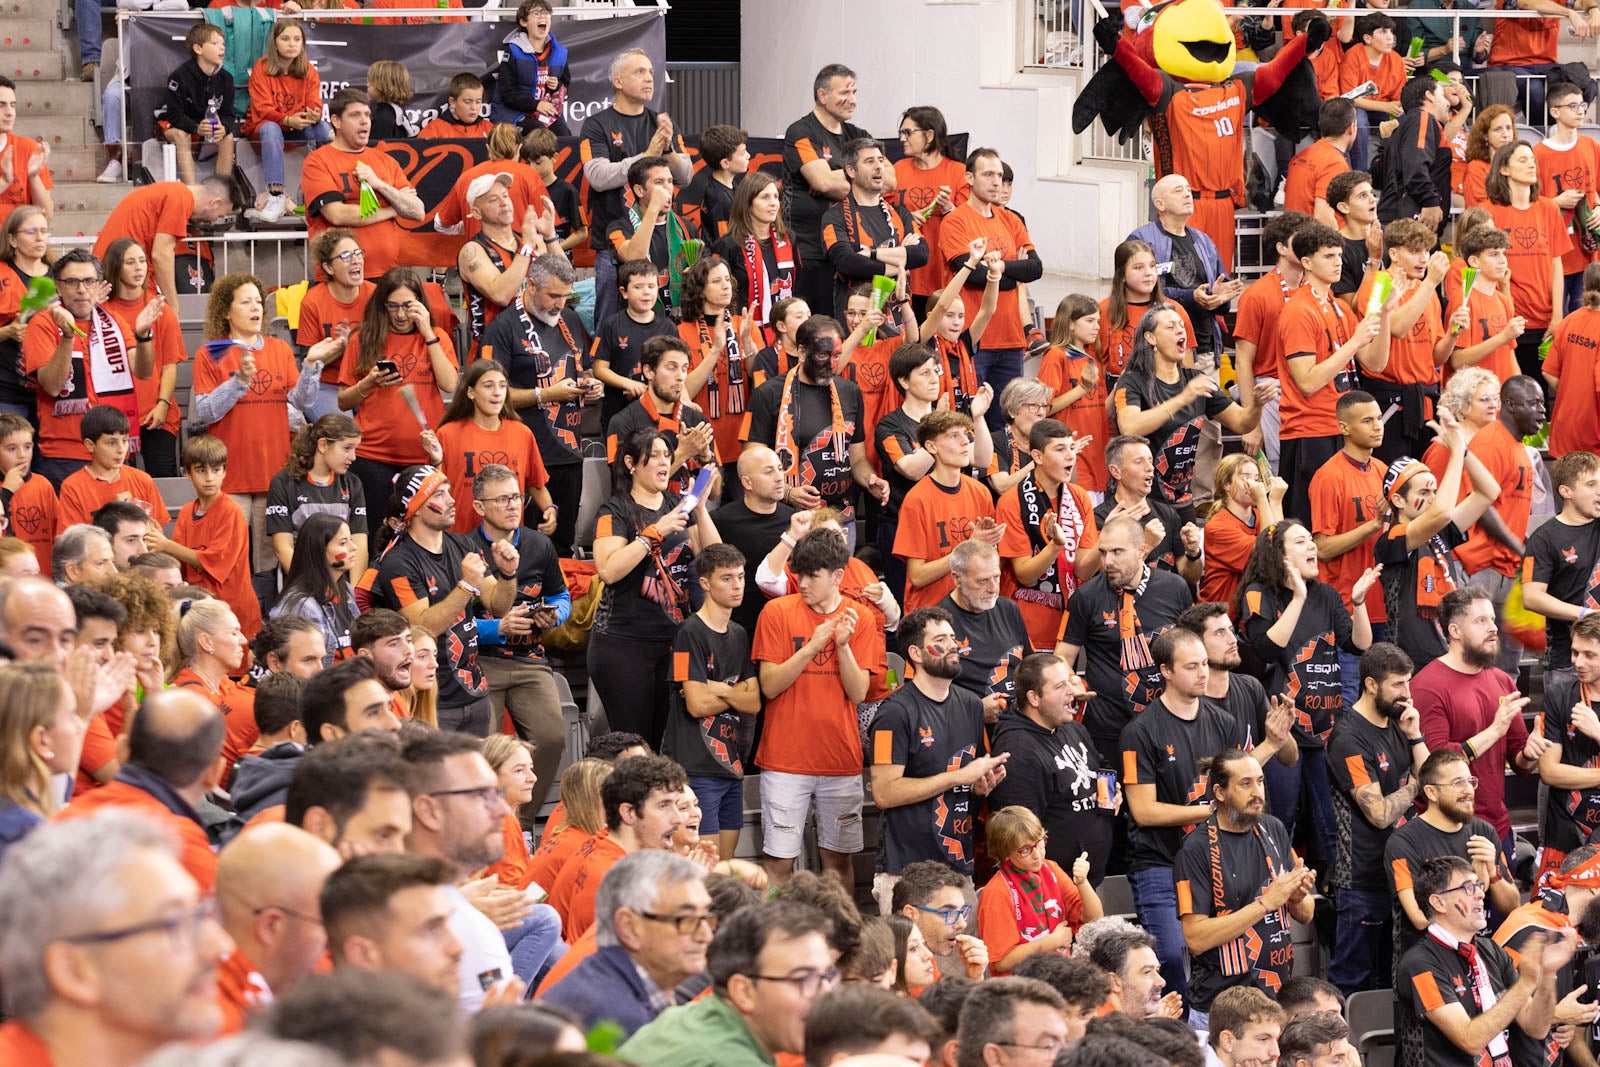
939 901
1569 173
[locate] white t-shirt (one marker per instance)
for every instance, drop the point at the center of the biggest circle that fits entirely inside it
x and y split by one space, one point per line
485 960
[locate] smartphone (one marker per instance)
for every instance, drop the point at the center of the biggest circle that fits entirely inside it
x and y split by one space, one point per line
388 366
1106 790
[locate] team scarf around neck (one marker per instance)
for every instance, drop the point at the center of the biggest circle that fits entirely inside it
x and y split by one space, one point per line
108 371
1035 900
738 383
1136 658
761 288
784 442
853 229
546 368
956 362
1034 504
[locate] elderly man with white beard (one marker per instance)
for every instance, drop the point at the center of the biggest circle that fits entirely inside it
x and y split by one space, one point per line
990 632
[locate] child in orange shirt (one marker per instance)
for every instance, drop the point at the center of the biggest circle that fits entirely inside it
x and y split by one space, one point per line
29 499
212 536
953 337
1030 905
1079 387
463 118
478 429
1376 61
107 478
285 104
1490 337
868 365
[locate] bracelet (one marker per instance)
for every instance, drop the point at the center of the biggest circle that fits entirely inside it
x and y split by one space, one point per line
1415 741
651 536
1190 555
548 508
1467 751
468 586
538 395
145 338
167 400
432 341
787 541
525 250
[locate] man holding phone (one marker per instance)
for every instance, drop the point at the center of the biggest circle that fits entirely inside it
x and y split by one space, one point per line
513 659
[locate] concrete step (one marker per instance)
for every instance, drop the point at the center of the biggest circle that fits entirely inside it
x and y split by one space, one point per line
77 164
58 99
58 131
28 33
78 223
48 10
32 64
88 195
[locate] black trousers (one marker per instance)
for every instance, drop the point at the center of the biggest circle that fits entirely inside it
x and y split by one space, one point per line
633 680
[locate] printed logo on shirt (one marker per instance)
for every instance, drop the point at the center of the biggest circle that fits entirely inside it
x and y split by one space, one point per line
1383 760
1109 620
616 139
1172 757
1526 236
1570 554
925 735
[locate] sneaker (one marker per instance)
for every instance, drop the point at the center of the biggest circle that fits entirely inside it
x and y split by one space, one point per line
87 73
276 207
112 173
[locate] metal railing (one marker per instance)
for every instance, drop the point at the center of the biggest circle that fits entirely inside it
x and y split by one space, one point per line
277 257
702 94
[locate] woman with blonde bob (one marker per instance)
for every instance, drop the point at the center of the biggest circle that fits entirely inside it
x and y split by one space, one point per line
580 817
40 736
1030 905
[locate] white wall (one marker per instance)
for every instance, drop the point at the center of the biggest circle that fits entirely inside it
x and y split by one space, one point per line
961 58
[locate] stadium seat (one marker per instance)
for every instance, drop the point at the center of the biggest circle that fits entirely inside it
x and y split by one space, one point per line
1371 1017
1116 896
596 488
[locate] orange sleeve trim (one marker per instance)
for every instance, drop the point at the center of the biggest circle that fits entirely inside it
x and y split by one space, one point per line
602 527
1402 874
1357 767
680 666
1185 899
882 748
1427 991
1130 767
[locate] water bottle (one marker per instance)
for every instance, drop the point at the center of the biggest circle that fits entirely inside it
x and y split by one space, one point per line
213 120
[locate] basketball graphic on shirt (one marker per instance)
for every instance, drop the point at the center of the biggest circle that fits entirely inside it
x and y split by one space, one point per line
1526 236
28 519
261 384
918 198
502 458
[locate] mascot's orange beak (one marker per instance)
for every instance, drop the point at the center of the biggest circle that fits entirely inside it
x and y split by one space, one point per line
1192 41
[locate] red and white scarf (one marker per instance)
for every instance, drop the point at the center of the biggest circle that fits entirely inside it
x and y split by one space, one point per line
1035 900
1034 503
109 374
761 288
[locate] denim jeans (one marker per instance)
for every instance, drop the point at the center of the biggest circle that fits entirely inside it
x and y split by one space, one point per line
271 137
88 12
1363 947
111 109
1156 902
326 403
1306 783
997 366
536 945
607 300
1350 666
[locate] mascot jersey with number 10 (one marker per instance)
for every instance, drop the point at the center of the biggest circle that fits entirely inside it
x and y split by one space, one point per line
1174 67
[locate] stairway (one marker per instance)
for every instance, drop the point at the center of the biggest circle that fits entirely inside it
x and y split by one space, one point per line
54 107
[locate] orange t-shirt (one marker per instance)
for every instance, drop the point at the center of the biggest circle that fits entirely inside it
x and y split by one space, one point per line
320 312
1306 180
1257 322
412 20
241 991
468 448
997 916
573 894
1507 461
33 517
811 727
1345 494
20 1048
550 858
1042 603
1229 542
99 749
221 538
915 189
82 494
1538 235
440 128
238 706
527 190
512 867
1006 235
256 428
576 953
1325 66
1575 166
719 411
1523 42
1487 315
1410 357
1575 418
934 519
59 435
1085 417
274 97
1309 328
1357 68
19 192
868 367
328 176
1116 346
389 431
194 853
148 210
169 352
1474 191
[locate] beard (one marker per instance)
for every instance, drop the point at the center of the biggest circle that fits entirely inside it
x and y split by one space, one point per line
946 667
1391 709
549 318
1229 663
1485 653
819 367
1245 816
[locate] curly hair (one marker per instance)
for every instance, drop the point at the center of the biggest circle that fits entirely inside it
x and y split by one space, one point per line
1266 565
694 283
147 606
221 302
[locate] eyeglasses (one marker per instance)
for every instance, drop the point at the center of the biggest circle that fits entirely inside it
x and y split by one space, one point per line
1051 1045
77 283
1470 782
906 132
1037 846
183 929
302 916
951 916
34 232
346 257
684 924
809 983
507 501
1576 104
1038 406
488 795
1473 888
389 305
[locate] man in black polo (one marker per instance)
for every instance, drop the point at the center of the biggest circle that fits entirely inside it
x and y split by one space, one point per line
993 637
814 178
754 522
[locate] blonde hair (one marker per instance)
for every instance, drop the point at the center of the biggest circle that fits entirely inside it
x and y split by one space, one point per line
1011 828
1464 386
580 796
1227 473
425 702
505 141
31 695
499 748
193 618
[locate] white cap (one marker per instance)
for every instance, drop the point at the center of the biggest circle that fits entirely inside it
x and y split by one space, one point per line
483 183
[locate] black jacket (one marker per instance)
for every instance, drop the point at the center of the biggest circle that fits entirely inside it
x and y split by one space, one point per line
1415 168
192 93
261 779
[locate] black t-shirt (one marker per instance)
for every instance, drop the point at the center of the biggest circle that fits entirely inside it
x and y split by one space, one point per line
1160 749
928 738
1361 754
648 603
820 464
1567 559
1353 266
1412 845
850 229
780 273
993 644
1432 975
1054 774
902 430
1187 271
715 746
1219 871
610 135
408 573
1009 459
709 200
1571 816
767 365
537 356
808 140
480 309
620 341
538 578
290 504
1093 622
1170 550
569 212
621 230
1245 702
1308 668
753 534
635 417
1176 444
1413 584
